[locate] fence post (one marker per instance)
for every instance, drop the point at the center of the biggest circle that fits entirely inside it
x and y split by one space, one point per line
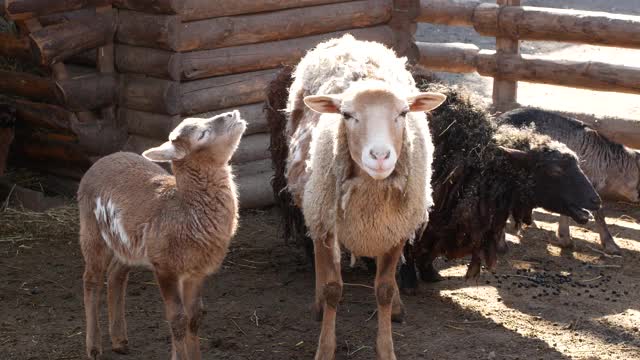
505 93
403 24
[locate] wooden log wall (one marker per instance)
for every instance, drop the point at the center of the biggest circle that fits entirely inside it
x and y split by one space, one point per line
64 113
199 58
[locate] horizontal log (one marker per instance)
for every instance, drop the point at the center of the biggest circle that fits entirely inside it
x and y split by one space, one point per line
27 85
152 62
255 191
139 92
138 144
580 74
250 29
57 42
152 6
238 59
158 126
447 12
87 58
147 124
252 168
87 92
148 30
39 115
47 148
16 47
206 9
225 91
536 23
58 18
252 148
27 9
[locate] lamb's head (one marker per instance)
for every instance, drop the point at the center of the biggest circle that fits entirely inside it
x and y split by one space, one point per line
213 140
374 115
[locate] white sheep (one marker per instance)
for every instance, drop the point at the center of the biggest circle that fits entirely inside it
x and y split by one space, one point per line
132 212
359 166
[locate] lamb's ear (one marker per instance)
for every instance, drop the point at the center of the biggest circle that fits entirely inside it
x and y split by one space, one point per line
515 154
164 152
425 101
323 103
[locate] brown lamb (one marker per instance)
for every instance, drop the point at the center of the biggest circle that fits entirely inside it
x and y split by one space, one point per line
133 213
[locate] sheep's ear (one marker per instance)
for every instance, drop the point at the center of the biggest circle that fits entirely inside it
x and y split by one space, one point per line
164 152
425 101
514 153
323 103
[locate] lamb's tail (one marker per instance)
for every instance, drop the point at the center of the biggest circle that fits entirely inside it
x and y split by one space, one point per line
293 219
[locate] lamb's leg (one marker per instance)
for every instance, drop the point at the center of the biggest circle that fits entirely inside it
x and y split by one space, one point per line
609 246
96 257
116 291
192 299
563 235
386 289
174 309
328 293
501 245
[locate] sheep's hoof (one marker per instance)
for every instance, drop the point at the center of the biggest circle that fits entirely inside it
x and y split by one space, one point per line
611 248
502 247
562 240
122 348
431 275
94 353
399 316
409 291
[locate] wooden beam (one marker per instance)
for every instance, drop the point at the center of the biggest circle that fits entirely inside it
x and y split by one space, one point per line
87 92
206 9
252 148
224 91
16 47
144 93
39 115
27 85
26 9
50 148
505 92
255 191
268 55
252 168
153 6
580 74
153 62
253 114
536 23
169 33
58 18
57 42
250 29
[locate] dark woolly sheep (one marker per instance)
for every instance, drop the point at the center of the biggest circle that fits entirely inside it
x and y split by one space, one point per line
482 175
612 168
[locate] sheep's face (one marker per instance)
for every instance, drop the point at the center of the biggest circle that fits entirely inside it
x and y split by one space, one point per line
218 137
560 185
374 117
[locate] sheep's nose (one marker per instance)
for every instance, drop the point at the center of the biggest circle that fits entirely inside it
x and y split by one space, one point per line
378 154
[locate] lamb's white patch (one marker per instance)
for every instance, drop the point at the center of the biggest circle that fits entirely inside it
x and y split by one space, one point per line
108 215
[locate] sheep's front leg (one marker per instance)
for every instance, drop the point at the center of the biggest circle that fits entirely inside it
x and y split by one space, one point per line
328 293
192 299
170 290
564 234
386 290
609 246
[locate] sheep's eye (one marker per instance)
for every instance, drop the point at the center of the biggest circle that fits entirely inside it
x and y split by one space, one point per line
348 116
202 135
404 113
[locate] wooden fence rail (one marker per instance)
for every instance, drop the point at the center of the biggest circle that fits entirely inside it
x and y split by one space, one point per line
535 23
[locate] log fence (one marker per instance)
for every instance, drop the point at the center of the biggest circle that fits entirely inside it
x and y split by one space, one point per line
123 73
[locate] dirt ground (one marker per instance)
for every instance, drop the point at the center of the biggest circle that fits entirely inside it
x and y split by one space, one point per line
258 305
